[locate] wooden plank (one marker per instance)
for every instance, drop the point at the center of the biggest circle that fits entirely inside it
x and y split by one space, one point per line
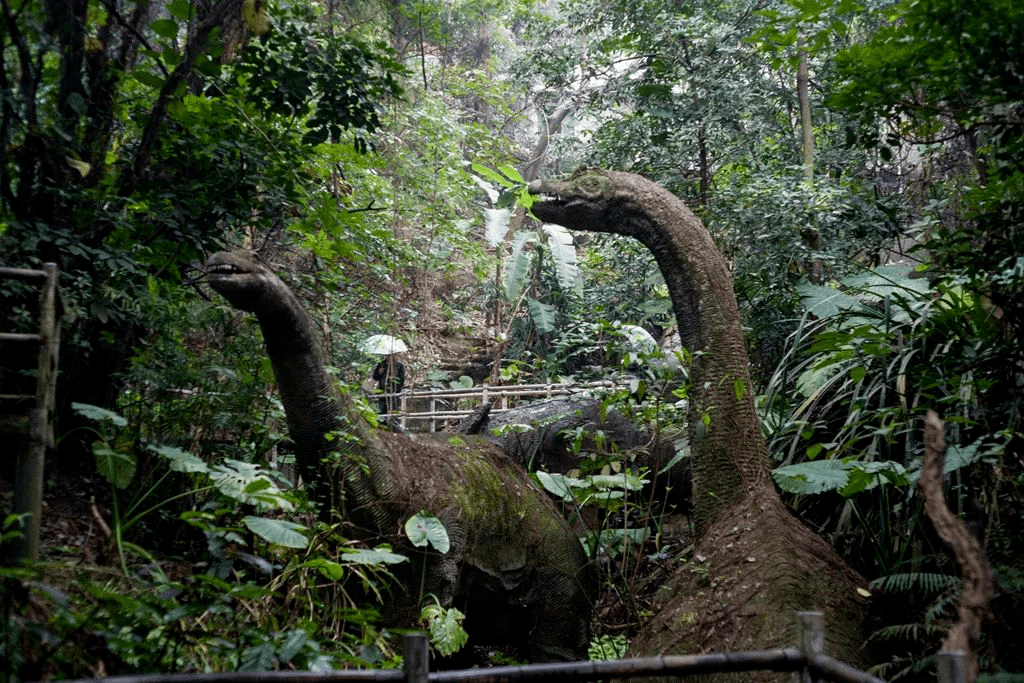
18 337
22 274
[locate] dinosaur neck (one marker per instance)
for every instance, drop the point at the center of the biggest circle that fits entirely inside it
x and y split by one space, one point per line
321 422
728 447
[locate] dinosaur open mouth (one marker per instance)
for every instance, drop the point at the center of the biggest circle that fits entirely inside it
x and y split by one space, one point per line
545 192
222 269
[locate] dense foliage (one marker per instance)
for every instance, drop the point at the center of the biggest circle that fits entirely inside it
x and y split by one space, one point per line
860 165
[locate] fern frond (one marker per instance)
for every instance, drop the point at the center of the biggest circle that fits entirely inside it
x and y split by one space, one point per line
922 582
939 606
906 633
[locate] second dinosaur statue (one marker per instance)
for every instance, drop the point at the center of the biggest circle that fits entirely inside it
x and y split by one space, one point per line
512 559
754 561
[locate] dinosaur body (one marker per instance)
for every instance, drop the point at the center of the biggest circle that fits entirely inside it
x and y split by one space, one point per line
760 561
542 442
512 557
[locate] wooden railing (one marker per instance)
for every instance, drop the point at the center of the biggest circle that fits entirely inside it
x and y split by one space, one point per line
437 405
28 416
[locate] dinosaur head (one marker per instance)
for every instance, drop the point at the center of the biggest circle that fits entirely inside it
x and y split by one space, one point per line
240 279
589 199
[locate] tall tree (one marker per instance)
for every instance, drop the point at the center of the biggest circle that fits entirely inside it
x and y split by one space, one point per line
137 135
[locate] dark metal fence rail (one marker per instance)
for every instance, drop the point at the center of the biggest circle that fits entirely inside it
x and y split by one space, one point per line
808 661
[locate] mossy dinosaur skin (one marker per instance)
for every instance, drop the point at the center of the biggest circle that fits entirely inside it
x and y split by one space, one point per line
511 551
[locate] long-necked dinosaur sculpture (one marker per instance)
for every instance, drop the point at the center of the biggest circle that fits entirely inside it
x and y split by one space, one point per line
512 559
762 563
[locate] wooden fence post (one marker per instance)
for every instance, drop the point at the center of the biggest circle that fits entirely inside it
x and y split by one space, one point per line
810 640
951 667
35 432
414 652
403 407
433 409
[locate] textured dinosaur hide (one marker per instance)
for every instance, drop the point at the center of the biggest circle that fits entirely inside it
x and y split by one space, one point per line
759 560
543 443
512 560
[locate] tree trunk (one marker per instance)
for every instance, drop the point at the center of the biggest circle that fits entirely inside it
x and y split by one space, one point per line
815 269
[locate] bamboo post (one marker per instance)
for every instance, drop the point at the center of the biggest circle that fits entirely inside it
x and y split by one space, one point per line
433 409
810 641
31 458
416 663
951 666
403 407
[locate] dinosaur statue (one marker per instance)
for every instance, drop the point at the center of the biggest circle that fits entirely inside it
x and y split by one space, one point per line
760 562
544 444
512 559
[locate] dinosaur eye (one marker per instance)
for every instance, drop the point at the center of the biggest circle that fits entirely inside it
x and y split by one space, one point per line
593 185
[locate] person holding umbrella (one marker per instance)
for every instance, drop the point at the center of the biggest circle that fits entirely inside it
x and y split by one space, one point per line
389 373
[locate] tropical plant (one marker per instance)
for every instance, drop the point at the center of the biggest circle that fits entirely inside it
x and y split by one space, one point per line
840 408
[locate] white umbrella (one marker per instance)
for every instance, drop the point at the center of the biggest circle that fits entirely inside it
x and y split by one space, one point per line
382 345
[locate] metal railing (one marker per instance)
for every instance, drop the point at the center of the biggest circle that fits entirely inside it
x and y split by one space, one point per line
807 660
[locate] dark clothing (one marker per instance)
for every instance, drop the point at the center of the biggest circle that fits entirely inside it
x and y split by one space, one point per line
390 377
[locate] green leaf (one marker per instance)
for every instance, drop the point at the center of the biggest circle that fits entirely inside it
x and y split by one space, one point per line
99 414
277 531
867 475
258 658
811 381
816 476
496 225
956 457
248 483
827 302
962 456
148 78
332 571
117 468
518 266
491 175
165 28
624 480
424 528
180 9
555 484
543 315
445 627
379 555
82 167
181 461
884 281
292 645
739 388
258 485
563 253
512 173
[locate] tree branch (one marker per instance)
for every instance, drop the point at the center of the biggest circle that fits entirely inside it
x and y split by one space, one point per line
976 575
196 45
